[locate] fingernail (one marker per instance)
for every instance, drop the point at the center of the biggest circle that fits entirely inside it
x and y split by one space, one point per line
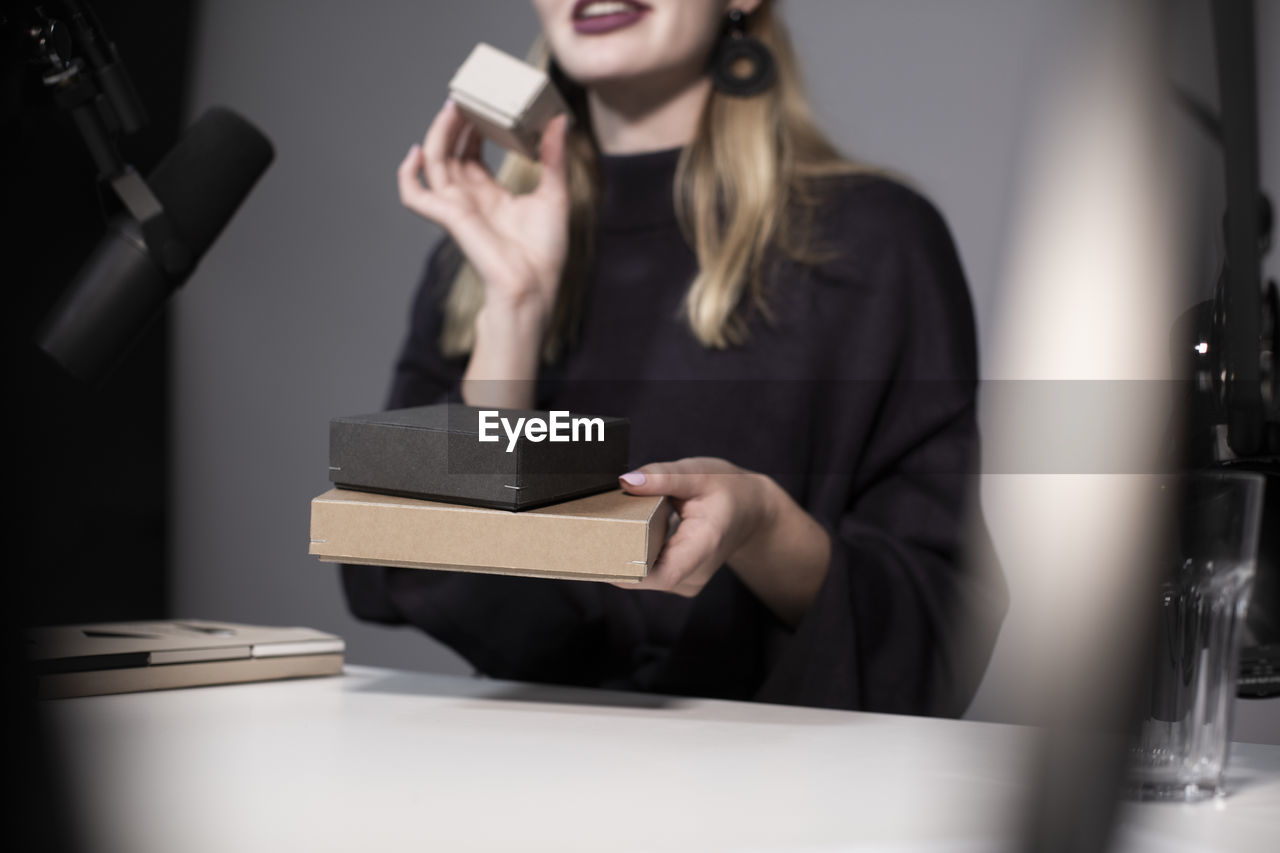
633 478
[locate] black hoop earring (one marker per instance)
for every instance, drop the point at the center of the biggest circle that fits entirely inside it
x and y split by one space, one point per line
741 65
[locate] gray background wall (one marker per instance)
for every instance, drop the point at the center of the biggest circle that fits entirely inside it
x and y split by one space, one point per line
297 313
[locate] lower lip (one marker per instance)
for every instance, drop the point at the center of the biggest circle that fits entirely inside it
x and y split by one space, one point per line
607 23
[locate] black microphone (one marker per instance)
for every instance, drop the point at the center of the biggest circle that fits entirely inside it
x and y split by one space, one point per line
124 283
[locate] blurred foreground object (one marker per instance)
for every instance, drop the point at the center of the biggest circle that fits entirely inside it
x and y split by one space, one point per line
1087 299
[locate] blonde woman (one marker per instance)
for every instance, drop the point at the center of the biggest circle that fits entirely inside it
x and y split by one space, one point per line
790 335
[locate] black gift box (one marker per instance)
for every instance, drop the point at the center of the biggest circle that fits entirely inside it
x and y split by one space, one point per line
435 452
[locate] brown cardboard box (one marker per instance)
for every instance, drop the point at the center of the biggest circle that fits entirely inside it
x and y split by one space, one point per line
610 536
125 657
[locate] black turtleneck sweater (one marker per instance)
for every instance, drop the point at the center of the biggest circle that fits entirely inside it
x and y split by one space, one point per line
856 395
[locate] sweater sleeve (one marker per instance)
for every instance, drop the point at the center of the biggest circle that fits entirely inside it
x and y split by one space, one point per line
903 622
423 375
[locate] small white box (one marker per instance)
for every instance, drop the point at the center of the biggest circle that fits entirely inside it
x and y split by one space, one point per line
508 100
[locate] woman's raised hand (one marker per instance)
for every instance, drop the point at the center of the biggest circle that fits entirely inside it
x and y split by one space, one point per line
517 244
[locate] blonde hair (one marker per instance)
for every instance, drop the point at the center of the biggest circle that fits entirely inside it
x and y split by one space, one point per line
743 186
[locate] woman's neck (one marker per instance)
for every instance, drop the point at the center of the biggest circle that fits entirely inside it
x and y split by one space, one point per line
627 119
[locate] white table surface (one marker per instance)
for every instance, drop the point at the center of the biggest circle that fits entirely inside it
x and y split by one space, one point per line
386 760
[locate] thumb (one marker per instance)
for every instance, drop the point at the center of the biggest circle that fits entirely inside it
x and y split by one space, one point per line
683 479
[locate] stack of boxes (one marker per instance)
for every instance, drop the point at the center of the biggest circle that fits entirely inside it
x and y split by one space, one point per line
458 488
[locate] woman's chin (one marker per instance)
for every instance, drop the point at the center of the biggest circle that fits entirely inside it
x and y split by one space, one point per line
607 70
627 79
